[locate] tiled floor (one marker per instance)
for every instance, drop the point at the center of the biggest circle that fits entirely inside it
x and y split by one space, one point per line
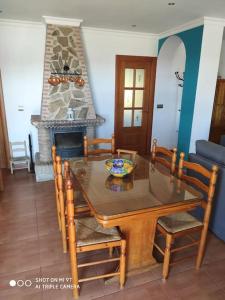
30 249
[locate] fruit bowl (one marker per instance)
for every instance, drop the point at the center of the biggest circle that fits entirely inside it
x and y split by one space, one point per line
119 167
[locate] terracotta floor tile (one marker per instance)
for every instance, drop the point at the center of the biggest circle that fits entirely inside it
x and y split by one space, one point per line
51 251
18 229
19 256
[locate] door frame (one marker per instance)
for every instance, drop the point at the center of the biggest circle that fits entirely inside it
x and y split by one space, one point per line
5 141
150 104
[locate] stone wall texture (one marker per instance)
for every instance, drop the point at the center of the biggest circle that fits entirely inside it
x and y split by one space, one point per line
64 46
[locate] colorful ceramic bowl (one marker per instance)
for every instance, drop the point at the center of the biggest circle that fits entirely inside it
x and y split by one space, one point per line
119 167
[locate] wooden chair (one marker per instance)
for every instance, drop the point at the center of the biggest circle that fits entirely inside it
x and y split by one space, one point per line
90 144
81 207
164 156
56 185
129 152
87 235
18 156
183 224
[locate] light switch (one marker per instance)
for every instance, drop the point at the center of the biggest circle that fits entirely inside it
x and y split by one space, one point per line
20 108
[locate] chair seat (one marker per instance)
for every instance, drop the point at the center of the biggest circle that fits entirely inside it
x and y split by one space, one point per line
20 159
89 232
178 222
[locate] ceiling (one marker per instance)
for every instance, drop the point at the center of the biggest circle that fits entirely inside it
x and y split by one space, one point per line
153 16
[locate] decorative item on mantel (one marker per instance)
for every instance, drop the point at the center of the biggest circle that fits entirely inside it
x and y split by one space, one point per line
66 76
70 114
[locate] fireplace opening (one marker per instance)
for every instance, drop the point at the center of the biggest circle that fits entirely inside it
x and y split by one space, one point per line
68 143
69 140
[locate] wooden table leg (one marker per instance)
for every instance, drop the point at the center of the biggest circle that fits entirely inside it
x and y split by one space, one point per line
139 234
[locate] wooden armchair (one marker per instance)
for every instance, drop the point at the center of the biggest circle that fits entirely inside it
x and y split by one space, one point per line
90 144
86 235
183 224
164 156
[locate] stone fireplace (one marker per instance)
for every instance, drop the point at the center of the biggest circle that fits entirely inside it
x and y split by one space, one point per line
64 48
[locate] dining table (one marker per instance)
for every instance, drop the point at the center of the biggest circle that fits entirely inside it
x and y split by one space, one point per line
133 203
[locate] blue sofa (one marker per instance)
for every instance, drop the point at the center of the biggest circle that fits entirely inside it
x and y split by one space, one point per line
207 154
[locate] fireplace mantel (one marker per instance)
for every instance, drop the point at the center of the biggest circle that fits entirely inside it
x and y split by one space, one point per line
39 123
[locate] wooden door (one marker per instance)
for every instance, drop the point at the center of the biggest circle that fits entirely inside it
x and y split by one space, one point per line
135 82
218 117
4 142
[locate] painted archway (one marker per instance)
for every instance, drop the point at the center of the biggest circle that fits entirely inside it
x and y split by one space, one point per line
168 92
192 40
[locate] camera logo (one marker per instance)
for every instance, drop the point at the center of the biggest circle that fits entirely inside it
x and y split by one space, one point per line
20 283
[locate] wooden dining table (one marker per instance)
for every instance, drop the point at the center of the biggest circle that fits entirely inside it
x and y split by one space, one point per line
133 203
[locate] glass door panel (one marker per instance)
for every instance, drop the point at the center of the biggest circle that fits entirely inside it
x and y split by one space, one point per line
127 118
129 78
140 78
137 118
138 99
128 98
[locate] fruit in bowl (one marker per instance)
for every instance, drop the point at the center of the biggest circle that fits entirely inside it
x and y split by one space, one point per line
119 167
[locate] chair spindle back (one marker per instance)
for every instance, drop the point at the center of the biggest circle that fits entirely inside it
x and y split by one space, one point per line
164 156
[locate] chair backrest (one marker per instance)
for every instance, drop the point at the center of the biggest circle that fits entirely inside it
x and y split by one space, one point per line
61 197
67 170
199 172
129 152
89 145
18 149
54 159
164 156
70 221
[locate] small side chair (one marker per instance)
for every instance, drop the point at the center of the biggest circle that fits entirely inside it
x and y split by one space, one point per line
18 156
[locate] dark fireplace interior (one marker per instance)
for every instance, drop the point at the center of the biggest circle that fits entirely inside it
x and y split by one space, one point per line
68 144
69 140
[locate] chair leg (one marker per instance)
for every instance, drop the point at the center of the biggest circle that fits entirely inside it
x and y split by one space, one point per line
201 247
166 261
122 263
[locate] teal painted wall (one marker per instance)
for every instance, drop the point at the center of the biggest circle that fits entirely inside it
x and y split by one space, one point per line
192 40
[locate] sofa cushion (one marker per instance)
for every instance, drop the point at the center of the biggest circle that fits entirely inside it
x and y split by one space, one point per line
211 151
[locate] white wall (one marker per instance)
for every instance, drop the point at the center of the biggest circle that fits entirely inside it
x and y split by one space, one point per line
21 63
101 48
208 70
171 58
221 71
